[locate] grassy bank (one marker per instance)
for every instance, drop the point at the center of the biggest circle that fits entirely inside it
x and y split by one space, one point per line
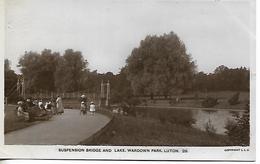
195 100
134 131
12 122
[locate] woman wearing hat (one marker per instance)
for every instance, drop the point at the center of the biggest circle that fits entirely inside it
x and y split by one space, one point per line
59 105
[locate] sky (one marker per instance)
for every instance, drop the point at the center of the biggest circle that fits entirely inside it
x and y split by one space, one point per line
106 31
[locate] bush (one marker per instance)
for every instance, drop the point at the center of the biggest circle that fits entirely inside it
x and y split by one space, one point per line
127 109
209 127
134 101
144 101
209 102
239 130
234 99
172 101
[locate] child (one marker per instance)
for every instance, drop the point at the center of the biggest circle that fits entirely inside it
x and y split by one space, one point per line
92 108
83 108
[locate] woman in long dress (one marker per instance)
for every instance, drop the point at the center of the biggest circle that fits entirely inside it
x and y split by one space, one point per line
60 108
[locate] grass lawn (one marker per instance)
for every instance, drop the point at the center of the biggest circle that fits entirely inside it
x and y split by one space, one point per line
188 100
11 121
133 131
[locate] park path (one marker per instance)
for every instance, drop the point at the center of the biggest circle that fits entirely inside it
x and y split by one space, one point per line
67 129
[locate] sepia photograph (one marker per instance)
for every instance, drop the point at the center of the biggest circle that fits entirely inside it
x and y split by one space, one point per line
157 77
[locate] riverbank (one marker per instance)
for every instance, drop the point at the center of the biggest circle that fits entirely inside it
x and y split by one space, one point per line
135 131
194 100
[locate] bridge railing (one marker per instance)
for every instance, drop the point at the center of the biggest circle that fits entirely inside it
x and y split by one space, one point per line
64 95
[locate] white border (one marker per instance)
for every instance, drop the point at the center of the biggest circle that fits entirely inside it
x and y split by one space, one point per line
195 153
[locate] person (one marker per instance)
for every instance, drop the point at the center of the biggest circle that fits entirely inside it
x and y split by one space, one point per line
92 108
83 104
35 102
83 108
53 106
59 105
83 98
40 104
21 111
48 106
29 103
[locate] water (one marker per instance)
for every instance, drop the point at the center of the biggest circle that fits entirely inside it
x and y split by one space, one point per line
217 119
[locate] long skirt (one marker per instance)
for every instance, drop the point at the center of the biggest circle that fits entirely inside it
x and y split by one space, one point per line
60 108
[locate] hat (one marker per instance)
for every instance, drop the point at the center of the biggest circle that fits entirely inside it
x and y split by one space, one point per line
19 102
91 102
83 96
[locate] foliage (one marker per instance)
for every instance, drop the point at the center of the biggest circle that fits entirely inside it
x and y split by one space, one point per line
38 70
223 78
160 65
234 99
209 127
69 71
49 71
209 102
239 130
122 91
10 82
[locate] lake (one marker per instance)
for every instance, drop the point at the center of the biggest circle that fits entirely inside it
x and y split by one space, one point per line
217 119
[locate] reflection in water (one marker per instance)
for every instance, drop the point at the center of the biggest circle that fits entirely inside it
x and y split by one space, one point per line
218 119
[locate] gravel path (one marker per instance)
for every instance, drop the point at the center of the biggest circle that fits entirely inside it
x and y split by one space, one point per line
67 129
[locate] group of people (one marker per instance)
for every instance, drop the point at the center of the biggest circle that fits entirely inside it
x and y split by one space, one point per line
30 108
84 106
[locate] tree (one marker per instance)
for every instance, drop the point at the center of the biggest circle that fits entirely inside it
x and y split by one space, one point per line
160 65
223 78
38 70
200 81
10 79
70 70
121 88
7 65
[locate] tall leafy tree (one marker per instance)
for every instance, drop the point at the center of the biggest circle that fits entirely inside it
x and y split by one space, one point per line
70 71
160 65
9 81
38 70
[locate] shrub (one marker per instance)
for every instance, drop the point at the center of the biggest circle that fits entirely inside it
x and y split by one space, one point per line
127 109
209 127
209 102
133 101
239 130
144 101
154 101
234 99
172 101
